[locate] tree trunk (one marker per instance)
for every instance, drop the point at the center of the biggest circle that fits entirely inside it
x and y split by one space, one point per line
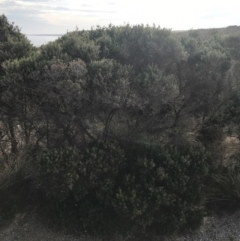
14 143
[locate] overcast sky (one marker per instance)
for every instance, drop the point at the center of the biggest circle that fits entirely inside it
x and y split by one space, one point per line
58 16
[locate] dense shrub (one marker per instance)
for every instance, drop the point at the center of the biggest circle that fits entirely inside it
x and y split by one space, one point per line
79 183
79 172
152 189
162 188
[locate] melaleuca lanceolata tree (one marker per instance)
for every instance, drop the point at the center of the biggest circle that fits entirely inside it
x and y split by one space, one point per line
13 47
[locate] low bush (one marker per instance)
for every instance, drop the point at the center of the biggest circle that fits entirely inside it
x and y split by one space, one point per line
143 188
70 171
81 183
163 188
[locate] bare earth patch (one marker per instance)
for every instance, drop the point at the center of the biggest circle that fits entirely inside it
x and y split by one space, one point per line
215 228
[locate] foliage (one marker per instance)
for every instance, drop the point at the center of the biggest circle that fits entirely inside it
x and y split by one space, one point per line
162 188
81 183
154 188
81 172
79 46
78 97
13 44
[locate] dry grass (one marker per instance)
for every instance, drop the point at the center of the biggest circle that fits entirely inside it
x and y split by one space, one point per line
228 149
9 171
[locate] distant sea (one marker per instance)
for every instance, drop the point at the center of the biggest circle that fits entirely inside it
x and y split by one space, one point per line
39 39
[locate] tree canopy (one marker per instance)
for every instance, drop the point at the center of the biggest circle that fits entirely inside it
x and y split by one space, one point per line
132 83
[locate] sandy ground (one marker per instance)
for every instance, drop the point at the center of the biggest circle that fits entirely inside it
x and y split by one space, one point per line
214 229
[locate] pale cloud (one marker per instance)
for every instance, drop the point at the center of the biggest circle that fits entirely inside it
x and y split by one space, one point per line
58 16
